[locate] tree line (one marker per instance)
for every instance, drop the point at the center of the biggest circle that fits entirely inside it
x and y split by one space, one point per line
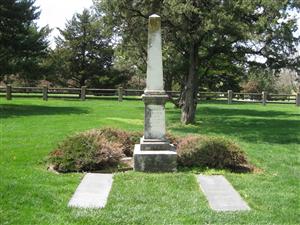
207 45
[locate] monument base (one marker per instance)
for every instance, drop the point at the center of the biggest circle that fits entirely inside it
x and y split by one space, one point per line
154 160
155 144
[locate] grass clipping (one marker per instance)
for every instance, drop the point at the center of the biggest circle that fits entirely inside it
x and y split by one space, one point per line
104 149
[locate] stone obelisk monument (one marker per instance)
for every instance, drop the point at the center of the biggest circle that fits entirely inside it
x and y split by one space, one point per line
154 153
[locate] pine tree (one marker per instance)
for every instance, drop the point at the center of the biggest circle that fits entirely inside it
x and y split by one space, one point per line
22 45
87 53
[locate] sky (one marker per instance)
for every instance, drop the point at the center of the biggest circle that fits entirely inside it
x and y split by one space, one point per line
55 13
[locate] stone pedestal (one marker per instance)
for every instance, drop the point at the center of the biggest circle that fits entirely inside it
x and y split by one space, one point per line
154 153
154 161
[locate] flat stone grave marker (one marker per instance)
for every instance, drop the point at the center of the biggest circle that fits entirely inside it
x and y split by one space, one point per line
220 194
93 191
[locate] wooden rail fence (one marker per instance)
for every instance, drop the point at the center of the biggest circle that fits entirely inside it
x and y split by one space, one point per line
84 93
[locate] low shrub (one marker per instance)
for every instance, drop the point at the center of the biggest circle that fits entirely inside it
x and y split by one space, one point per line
212 152
173 139
100 149
126 139
87 151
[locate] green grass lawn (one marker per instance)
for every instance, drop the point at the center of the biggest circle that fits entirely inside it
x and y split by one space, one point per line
29 194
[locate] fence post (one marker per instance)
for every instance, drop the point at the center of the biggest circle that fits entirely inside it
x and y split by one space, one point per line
8 92
229 95
45 93
83 93
120 94
264 97
298 99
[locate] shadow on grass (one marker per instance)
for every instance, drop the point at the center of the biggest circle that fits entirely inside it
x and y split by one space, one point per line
7 111
247 124
217 111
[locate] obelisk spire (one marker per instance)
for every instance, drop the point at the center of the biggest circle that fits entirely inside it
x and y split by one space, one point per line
154 62
154 153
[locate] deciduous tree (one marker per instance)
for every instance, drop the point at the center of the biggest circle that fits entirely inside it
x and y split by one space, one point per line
199 32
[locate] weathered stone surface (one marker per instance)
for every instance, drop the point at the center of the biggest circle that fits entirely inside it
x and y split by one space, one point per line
155 144
155 98
154 161
154 122
220 194
154 154
93 191
154 62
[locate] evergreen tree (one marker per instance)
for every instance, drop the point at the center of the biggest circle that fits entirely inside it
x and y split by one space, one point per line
86 53
23 46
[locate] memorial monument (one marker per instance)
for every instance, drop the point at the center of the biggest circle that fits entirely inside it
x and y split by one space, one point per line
154 153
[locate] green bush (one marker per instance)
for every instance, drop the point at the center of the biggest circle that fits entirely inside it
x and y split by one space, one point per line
126 139
212 152
100 149
87 151
173 139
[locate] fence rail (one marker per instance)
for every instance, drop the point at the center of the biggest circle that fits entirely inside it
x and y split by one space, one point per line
84 93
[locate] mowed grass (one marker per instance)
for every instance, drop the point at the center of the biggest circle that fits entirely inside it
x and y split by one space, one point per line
29 194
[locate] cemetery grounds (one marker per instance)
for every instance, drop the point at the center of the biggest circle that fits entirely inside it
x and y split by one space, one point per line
30 194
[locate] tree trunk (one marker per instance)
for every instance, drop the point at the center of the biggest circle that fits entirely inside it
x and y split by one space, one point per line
168 81
81 83
189 96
